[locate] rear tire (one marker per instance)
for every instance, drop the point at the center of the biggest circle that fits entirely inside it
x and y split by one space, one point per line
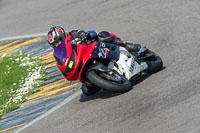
96 78
154 63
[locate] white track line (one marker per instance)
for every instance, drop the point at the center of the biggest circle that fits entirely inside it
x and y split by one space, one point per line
51 110
23 36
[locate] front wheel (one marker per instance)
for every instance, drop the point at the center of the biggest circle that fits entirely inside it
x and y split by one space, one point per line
111 81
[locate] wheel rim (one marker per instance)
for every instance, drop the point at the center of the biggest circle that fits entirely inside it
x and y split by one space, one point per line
111 76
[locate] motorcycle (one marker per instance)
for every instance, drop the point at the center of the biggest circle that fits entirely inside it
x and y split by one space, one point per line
104 65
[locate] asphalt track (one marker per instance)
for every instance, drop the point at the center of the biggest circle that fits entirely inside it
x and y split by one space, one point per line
166 102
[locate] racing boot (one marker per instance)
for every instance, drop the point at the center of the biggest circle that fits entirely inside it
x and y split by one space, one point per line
127 44
89 90
131 47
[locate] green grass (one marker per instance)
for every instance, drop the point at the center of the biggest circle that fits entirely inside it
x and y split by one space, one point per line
20 76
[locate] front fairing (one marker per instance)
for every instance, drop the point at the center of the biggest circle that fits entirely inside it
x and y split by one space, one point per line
71 58
65 58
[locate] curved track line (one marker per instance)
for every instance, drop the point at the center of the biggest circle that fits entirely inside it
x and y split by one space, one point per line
23 36
51 110
49 60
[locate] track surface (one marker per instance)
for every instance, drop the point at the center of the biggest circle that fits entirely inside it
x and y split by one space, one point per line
167 101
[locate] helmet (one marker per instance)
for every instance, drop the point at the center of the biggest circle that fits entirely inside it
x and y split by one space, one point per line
92 35
55 34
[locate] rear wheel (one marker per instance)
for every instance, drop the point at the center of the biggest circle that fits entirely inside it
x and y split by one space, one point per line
111 80
154 63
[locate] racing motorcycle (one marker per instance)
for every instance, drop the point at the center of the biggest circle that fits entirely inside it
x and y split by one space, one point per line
104 65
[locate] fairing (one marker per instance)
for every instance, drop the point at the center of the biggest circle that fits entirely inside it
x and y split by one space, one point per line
71 58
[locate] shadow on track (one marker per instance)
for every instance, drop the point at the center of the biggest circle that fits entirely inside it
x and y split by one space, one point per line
104 94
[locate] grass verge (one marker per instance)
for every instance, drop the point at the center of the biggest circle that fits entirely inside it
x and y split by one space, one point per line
20 76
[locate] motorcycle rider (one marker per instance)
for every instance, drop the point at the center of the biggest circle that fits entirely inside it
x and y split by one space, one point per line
57 34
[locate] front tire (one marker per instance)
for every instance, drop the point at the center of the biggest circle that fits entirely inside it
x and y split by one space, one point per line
107 81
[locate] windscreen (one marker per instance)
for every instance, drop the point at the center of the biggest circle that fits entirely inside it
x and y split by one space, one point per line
60 53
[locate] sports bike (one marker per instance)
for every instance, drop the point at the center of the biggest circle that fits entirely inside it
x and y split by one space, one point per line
104 65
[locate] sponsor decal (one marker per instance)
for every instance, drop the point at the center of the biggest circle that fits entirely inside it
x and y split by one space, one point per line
102 45
70 64
103 52
132 66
